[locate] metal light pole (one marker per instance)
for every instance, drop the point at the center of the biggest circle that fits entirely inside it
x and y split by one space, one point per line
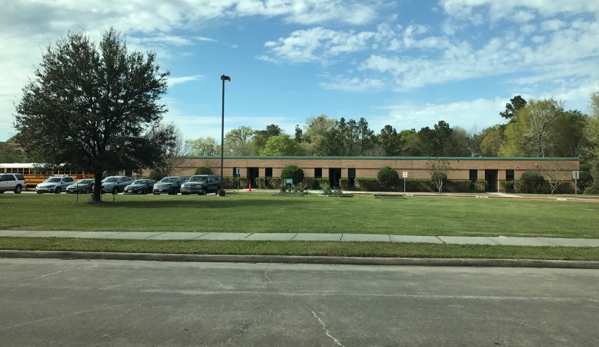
221 192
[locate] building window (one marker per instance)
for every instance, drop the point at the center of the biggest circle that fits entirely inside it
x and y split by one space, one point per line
268 172
509 175
351 175
473 175
318 172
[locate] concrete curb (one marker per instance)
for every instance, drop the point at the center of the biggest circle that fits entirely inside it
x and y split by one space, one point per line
533 263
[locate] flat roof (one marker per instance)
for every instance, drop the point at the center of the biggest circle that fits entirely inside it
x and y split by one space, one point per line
390 158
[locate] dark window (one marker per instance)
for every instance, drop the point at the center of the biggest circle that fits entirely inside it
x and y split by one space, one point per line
235 172
268 172
509 175
351 175
318 173
8 178
473 175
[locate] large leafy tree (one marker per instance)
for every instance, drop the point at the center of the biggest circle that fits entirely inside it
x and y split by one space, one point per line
237 141
10 155
261 137
281 145
532 129
437 142
390 141
204 147
94 106
516 103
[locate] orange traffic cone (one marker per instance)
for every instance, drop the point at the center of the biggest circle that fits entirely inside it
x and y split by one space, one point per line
250 187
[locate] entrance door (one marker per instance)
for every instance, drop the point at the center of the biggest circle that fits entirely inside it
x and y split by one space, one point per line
334 176
252 175
491 178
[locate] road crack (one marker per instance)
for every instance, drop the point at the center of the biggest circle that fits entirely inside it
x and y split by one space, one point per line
326 331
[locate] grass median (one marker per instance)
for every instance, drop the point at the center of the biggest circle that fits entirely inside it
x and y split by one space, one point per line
263 213
332 249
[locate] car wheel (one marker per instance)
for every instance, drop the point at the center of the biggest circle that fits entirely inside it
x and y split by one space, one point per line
144 191
205 191
87 191
39 192
57 190
18 190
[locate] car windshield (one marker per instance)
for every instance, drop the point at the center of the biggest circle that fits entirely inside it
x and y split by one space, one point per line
197 179
53 180
168 180
84 181
111 179
139 182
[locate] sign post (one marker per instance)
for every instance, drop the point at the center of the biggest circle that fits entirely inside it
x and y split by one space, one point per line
575 177
405 175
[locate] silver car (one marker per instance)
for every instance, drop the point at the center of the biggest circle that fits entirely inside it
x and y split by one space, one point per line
54 184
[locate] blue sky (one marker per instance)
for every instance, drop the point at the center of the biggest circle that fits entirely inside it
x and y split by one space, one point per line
404 63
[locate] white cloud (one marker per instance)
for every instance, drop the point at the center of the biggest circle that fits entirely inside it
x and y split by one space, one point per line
500 55
523 16
167 39
353 84
538 39
206 39
508 9
528 29
466 114
320 44
552 25
178 80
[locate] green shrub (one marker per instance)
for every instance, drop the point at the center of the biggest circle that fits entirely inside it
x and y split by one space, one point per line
458 186
480 186
416 185
344 183
154 175
388 178
506 186
203 170
530 182
231 182
592 190
320 181
261 182
274 183
293 172
326 187
368 184
309 183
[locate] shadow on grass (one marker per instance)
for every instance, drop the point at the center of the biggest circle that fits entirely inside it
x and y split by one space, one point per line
208 204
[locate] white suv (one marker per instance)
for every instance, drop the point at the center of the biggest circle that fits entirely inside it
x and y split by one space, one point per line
12 182
55 184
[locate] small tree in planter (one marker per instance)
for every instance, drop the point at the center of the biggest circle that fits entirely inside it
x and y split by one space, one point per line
293 172
388 178
203 170
438 169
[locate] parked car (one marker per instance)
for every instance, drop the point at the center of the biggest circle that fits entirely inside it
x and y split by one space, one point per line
115 184
54 184
201 184
170 185
82 186
144 186
12 182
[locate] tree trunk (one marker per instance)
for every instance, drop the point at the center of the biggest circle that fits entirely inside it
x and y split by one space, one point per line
97 197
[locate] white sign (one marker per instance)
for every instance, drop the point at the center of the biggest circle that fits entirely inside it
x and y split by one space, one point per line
575 175
405 174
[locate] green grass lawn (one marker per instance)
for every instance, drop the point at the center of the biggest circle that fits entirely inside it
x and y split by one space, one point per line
338 249
257 212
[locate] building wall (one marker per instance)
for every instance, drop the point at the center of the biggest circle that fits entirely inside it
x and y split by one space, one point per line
368 167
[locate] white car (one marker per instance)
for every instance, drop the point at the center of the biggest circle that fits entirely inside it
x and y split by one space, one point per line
55 185
12 182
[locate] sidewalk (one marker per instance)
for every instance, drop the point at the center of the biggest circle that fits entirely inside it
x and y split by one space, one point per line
450 240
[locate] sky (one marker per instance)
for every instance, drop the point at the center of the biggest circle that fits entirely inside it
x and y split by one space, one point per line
404 63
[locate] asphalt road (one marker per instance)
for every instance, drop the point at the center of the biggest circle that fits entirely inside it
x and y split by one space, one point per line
122 303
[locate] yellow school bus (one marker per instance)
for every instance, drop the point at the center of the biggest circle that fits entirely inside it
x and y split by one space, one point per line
36 173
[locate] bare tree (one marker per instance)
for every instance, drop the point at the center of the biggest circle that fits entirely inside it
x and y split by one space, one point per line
174 154
552 171
438 169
